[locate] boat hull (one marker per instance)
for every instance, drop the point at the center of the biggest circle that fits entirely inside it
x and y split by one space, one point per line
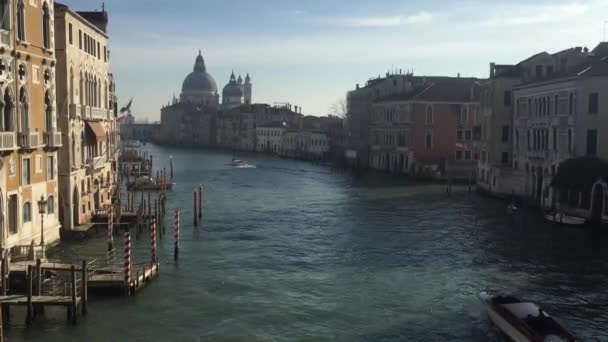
504 326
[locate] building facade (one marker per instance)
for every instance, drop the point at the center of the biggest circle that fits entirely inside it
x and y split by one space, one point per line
87 117
30 137
302 144
270 137
431 129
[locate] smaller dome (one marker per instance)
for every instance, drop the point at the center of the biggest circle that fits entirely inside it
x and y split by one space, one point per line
233 90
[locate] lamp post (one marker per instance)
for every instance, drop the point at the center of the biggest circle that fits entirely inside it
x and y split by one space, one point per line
42 210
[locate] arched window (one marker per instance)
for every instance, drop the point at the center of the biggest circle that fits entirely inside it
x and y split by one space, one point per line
8 111
5 15
48 108
27 212
82 159
46 26
429 114
81 91
25 115
73 154
50 205
21 20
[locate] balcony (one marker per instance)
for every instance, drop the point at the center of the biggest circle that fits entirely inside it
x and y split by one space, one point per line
8 141
99 114
52 139
5 37
29 140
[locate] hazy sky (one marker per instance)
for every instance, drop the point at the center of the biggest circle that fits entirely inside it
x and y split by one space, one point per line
310 52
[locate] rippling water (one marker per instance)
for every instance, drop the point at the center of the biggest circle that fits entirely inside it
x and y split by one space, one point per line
293 251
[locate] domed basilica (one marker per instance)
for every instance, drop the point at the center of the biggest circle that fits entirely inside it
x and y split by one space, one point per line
199 88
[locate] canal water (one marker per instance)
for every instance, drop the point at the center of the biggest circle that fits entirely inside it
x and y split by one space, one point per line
293 251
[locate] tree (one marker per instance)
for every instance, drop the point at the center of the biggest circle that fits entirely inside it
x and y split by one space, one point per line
339 109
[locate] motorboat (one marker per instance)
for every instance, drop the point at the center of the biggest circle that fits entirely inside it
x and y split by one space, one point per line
523 321
237 162
564 219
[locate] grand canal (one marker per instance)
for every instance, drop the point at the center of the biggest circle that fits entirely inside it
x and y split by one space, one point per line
294 251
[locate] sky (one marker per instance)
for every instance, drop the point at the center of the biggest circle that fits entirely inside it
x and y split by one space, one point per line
311 52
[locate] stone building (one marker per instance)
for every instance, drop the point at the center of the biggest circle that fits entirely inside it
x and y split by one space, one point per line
29 136
87 118
305 144
270 137
430 129
560 112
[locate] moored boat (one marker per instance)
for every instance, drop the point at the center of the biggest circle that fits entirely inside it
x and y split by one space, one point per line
564 219
523 321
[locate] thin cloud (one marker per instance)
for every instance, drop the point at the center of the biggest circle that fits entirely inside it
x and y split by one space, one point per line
387 21
540 15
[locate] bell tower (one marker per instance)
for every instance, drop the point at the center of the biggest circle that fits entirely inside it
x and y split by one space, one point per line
247 89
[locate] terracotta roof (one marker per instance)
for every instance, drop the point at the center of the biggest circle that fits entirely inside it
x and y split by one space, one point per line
440 90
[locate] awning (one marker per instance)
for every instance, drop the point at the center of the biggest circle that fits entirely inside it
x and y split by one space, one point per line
97 130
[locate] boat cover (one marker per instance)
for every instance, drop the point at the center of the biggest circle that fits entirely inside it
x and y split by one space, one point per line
523 310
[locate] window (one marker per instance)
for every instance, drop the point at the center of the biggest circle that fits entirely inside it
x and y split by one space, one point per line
27 172
459 135
105 54
517 139
467 155
555 105
554 139
5 14
549 70
569 140
50 167
458 155
98 51
46 26
539 71
507 98
35 74
591 142
27 212
476 155
468 135
429 114
594 103
70 36
429 140
571 104
529 142
20 20
505 133
80 39
50 205
13 211
504 158
484 156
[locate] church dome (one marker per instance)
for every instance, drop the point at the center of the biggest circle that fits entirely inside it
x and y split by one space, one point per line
233 89
199 80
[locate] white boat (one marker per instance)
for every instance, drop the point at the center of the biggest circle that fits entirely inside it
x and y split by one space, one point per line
237 162
523 321
564 219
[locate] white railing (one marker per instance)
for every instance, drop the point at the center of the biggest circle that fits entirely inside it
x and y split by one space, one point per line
29 140
52 138
98 114
8 141
5 37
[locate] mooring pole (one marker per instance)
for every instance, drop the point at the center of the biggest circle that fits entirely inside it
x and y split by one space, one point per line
176 247
110 229
171 165
200 201
195 223
127 264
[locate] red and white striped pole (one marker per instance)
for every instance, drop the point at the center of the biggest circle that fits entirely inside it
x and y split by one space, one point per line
127 262
200 201
153 241
176 247
110 230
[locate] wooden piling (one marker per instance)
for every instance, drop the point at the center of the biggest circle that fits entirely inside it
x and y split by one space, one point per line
30 310
171 165
200 201
110 229
83 290
195 223
153 242
4 272
74 305
176 246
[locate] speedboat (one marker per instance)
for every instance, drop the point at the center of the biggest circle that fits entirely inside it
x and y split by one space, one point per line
564 219
523 321
237 162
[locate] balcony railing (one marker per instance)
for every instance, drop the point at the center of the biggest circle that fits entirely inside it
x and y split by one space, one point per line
5 37
52 138
8 141
29 140
98 114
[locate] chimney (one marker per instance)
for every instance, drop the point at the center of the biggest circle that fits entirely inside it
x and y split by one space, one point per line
357 86
492 70
458 75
